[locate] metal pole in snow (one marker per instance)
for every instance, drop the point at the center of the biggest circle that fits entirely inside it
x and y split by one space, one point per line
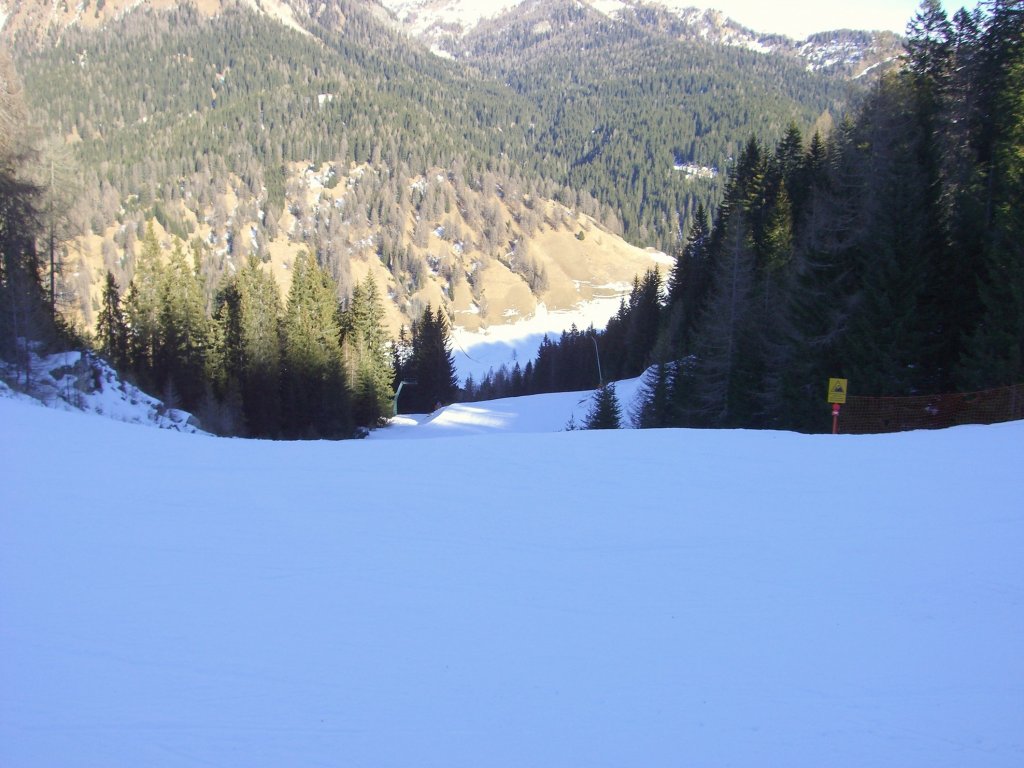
600 378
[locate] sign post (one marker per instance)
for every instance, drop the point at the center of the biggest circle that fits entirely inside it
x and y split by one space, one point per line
837 396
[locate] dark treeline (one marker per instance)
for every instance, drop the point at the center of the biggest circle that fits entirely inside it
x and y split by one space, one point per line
310 367
891 254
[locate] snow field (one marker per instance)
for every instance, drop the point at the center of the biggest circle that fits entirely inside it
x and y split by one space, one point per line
631 598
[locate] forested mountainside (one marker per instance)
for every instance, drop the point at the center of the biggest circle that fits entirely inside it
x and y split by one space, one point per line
890 254
230 125
887 252
630 104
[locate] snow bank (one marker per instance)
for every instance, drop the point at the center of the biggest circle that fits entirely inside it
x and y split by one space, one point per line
72 381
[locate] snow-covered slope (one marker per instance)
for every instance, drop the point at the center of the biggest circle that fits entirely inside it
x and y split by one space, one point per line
633 598
552 412
71 381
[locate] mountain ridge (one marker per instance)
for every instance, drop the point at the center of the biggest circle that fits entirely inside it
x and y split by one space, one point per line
444 27
214 117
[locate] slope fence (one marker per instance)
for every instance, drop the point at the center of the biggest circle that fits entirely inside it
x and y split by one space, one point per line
875 415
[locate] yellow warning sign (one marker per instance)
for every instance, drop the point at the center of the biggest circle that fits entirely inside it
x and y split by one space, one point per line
837 391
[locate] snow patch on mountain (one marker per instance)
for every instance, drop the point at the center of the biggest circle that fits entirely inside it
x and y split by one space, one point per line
280 11
870 69
420 16
837 51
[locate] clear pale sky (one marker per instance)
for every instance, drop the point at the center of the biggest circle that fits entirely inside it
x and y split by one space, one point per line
799 19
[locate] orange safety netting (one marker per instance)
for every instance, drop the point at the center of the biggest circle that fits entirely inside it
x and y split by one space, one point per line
874 415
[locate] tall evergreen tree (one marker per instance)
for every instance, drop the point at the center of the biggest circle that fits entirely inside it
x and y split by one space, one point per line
655 407
720 383
605 411
643 316
690 281
142 309
821 294
929 47
224 358
890 345
995 352
184 335
23 302
111 326
260 335
24 313
247 363
315 396
789 170
431 364
368 355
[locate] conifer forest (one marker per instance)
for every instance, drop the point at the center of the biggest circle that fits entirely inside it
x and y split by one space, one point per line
871 230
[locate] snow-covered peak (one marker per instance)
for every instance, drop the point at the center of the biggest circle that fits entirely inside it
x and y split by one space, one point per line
462 16
441 24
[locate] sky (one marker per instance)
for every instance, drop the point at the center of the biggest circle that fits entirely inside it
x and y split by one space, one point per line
512 595
800 19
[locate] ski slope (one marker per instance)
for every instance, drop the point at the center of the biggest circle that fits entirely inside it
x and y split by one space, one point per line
512 596
552 412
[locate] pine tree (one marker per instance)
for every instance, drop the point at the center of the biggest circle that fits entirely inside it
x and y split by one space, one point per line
928 48
643 317
605 411
224 358
245 363
946 298
691 279
962 179
260 336
111 326
23 315
142 310
719 381
994 354
431 365
316 402
184 335
368 355
888 348
822 292
655 408
789 170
